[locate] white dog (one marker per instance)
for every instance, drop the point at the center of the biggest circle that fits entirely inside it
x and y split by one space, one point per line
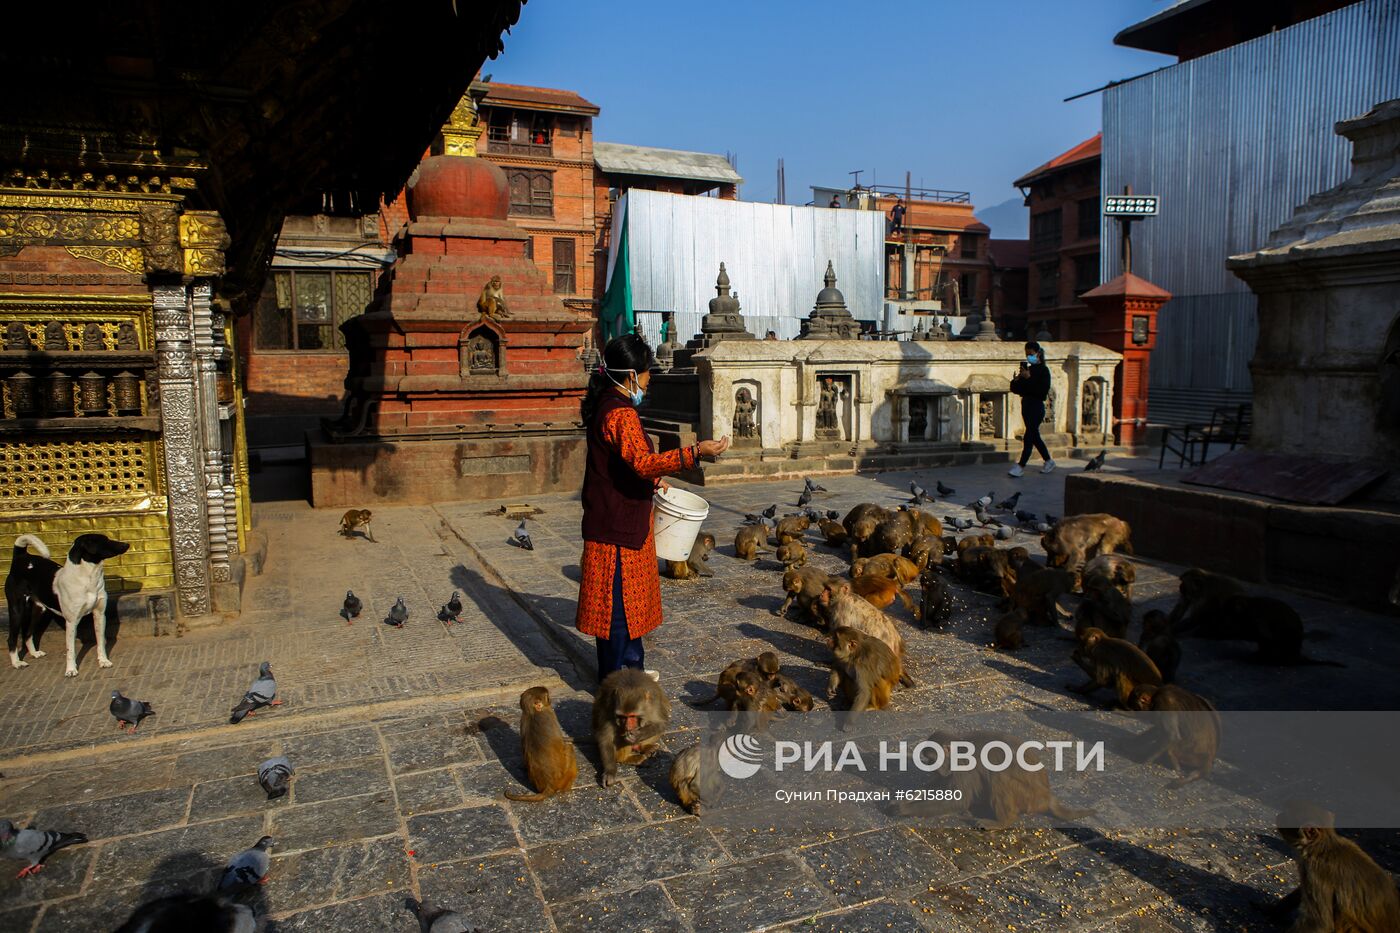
37 585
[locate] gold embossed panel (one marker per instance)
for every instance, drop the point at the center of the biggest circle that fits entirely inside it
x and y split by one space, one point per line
47 476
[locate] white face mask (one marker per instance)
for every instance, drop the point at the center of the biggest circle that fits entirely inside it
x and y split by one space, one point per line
637 394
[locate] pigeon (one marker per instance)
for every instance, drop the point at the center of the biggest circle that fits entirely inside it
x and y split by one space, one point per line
248 868
1009 504
944 490
833 515
961 524
274 775
811 486
771 511
752 519
262 693
352 607
920 494
1043 527
439 921
805 498
1003 533
1051 519
129 712
398 614
33 844
521 538
813 515
1096 464
982 502
986 518
452 611
1025 517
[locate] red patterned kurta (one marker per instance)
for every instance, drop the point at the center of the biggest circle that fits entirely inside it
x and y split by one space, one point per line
641 584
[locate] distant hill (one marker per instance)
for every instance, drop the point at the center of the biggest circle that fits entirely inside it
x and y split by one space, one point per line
1009 220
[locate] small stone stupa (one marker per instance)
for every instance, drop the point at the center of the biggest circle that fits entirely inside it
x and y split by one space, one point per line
723 322
830 319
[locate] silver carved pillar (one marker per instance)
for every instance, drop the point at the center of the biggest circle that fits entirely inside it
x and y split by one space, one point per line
181 437
223 352
206 360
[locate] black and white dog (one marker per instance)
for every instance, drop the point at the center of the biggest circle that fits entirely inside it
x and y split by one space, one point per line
37 585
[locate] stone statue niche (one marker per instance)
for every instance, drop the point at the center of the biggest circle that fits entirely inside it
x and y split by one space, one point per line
746 418
989 416
1091 407
481 353
918 417
833 408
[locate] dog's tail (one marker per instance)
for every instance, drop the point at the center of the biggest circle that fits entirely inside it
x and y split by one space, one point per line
24 542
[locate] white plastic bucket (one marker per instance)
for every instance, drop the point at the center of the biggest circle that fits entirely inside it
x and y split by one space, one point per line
679 515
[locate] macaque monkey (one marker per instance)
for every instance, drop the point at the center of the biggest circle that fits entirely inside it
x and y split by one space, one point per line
1104 607
1007 632
695 775
1003 797
864 670
1115 568
972 541
1160 644
792 554
1274 626
860 524
987 566
804 586
492 302
1114 663
751 541
755 702
549 755
1079 537
792 528
354 520
936 607
629 715
1188 732
900 569
1340 887
925 551
1200 609
881 591
766 665
790 694
1036 591
844 608
833 531
891 536
694 566
923 523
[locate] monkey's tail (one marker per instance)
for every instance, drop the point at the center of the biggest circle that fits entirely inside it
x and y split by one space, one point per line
533 798
1061 812
905 680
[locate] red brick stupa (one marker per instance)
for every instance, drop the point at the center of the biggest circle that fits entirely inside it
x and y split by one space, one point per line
466 377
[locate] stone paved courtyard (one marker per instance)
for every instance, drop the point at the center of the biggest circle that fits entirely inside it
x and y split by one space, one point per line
403 741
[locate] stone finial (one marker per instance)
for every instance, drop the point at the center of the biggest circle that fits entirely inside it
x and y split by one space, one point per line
830 278
722 281
830 318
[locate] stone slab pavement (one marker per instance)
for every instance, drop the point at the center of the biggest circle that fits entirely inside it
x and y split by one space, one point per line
403 741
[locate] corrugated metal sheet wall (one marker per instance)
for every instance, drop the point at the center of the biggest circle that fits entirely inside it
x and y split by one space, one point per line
1232 143
775 254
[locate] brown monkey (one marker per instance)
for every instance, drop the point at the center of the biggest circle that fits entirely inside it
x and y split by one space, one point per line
950 544
792 554
1200 609
1006 795
923 523
1104 607
492 302
844 608
1188 732
1340 887
1160 644
925 551
1036 591
792 528
803 585
751 541
899 569
1075 539
765 664
1114 663
1115 568
881 591
861 523
1272 624
694 566
936 607
834 532
972 541
890 536
1007 632
549 756
863 670
1016 556
790 694
755 702
354 520
629 715
695 775
987 566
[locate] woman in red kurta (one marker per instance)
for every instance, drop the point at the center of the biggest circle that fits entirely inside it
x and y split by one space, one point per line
619 597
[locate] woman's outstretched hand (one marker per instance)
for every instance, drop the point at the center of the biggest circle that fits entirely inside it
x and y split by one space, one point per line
713 448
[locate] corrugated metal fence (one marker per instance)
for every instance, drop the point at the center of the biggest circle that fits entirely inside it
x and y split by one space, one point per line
1232 142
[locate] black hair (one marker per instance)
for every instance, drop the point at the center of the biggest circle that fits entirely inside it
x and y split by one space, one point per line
1032 345
624 353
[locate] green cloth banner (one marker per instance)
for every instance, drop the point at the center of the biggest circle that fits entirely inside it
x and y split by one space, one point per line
616 314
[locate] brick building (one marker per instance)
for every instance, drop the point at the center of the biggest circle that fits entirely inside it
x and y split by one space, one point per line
1063 196
949 246
1010 298
543 139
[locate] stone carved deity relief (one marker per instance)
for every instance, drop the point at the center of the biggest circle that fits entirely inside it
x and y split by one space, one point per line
1090 412
745 416
987 417
480 354
833 393
1048 423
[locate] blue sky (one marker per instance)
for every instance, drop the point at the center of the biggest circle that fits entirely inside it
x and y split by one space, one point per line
965 95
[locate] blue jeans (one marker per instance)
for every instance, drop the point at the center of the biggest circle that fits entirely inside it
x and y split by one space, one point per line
618 650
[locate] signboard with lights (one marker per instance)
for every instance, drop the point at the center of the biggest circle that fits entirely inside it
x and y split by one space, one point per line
1130 205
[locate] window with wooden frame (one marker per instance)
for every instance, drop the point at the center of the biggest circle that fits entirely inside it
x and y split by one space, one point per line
1045 231
969 246
302 310
531 192
519 132
1047 290
564 279
1086 273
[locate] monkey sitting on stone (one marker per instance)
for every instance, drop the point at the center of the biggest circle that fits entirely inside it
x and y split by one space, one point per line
1160 643
1104 607
766 665
755 702
355 519
793 697
695 775
694 566
1187 731
863 670
900 569
833 531
804 586
550 759
751 541
1007 634
793 554
629 715
1037 590
492 301
1340 887
1114 663
791 528
936 607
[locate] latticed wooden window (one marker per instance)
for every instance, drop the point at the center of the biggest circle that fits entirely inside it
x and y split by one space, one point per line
303 310
564 277
80 470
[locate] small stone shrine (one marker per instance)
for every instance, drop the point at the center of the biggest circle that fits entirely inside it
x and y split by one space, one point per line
830 318
724 321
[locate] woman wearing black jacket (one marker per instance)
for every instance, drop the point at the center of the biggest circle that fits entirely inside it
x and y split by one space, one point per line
1032 383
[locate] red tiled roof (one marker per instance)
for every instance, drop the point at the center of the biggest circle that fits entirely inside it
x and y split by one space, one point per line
1010 254
1091 148
1128 285
547 98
